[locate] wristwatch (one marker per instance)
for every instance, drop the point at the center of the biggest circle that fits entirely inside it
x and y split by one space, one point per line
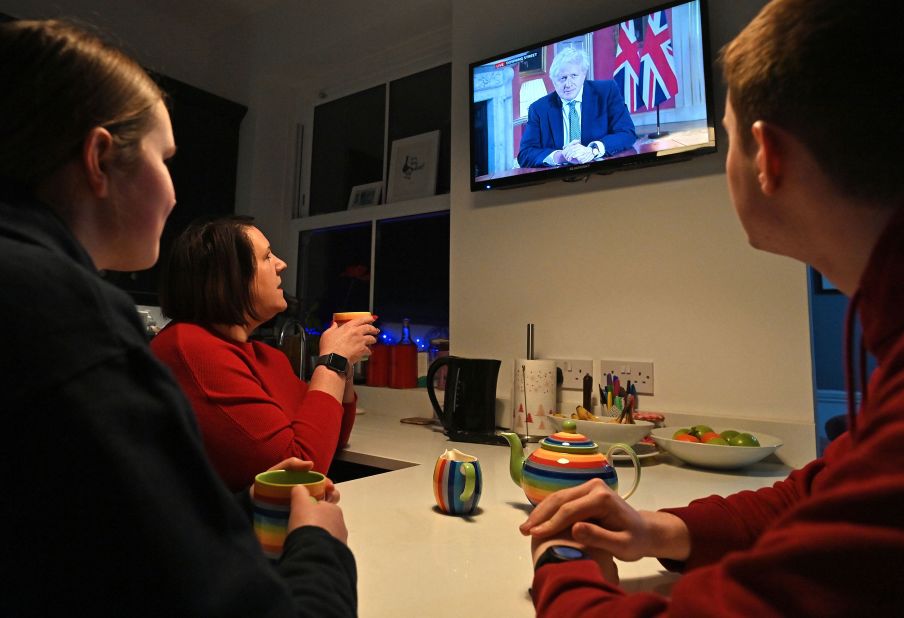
559 553
333 361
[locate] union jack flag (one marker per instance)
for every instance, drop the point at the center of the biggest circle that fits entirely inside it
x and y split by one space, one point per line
627 65
659 81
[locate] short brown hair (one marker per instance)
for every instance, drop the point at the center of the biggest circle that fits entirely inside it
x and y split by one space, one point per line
208 274
824 70
58 82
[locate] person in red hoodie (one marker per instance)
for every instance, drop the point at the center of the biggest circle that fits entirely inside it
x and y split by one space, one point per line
220 282
807 79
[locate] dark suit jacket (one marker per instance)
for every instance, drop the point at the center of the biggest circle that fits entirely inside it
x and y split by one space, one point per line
604 118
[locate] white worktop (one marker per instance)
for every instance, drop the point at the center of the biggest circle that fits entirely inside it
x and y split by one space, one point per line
415 561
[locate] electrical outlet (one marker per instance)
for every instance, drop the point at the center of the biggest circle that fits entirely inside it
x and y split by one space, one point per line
573 372
640 374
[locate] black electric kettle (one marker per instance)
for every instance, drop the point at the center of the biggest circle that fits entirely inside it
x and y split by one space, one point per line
468 413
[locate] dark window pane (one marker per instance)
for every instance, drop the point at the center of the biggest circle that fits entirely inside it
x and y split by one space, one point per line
421 103
412 269
333 272
347 148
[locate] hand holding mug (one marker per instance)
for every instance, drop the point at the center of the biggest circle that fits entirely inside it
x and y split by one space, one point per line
273 502
301 465
323 514
350 339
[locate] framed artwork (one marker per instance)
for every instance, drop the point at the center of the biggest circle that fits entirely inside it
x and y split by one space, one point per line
368 194
412 167
534 62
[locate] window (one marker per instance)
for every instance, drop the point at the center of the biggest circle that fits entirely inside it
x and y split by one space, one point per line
411 279
333 273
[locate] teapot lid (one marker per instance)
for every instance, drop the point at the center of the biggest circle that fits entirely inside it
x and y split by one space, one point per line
569 441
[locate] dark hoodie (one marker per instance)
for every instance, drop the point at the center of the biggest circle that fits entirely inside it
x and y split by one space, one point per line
110 507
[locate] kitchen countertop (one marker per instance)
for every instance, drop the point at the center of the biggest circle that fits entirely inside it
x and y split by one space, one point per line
415 561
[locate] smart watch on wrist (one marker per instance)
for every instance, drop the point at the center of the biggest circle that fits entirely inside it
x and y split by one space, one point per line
334 362
559 553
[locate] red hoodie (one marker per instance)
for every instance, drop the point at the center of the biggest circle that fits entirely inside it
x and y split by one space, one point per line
827 541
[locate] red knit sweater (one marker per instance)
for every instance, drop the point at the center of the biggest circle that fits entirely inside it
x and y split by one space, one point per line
252 409
827 541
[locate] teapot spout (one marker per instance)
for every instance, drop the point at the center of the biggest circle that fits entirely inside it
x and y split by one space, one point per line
516 456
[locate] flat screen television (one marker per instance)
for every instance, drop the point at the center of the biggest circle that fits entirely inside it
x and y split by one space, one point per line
633 91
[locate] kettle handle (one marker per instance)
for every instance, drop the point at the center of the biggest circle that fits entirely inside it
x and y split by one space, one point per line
434 367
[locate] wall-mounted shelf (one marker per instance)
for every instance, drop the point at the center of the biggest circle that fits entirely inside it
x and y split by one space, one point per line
417 206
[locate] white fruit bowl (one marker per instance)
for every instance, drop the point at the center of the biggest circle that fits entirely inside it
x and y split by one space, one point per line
605 434
715 455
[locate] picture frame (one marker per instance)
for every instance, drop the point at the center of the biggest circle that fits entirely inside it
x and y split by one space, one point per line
535 64
413 167
368 194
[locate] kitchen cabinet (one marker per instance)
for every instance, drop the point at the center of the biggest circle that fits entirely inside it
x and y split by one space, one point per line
351 145
353 135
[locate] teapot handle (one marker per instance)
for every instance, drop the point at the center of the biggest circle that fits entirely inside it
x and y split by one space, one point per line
467 469
619 446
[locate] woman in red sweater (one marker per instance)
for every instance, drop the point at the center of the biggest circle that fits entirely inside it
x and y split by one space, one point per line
221 282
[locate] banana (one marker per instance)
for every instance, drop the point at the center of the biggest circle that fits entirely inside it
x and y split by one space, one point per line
584 414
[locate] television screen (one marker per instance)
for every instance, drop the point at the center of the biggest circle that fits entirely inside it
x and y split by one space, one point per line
634 91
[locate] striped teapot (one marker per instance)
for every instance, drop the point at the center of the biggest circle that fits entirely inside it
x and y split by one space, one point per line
565 459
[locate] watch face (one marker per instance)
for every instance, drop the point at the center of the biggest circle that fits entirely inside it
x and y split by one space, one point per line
566 552
336 362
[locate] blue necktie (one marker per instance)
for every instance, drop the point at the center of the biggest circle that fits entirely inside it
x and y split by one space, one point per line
574 123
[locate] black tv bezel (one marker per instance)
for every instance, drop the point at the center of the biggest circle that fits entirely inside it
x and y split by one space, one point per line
606 166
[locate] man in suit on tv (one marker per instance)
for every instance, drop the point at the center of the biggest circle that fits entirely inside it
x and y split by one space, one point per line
582 121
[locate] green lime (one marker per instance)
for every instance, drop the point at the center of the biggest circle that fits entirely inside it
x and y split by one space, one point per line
728 434
719 441
744 439
699 430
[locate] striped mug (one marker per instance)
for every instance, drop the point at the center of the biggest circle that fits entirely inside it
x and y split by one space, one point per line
457 482
272 501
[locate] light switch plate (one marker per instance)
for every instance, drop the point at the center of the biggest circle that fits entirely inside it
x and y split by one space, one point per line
573 371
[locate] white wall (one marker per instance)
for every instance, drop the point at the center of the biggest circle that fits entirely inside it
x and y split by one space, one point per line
647 264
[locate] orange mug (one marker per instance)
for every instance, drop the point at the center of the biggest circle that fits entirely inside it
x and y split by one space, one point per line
341 317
